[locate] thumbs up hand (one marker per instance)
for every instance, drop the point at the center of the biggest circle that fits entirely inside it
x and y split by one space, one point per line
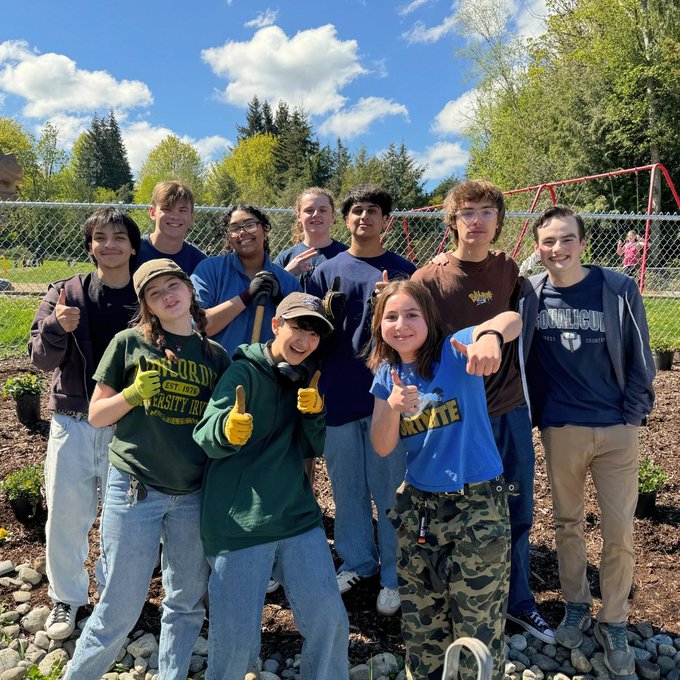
404 398
147 384
238 427
67 317
309 400
381 284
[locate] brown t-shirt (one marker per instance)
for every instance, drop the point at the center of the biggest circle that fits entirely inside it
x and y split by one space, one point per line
469 293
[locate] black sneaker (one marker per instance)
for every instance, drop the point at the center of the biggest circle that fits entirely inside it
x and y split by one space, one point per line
534 623
61 621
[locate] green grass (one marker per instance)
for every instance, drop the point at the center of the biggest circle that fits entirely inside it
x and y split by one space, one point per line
663 317
16 315
51 270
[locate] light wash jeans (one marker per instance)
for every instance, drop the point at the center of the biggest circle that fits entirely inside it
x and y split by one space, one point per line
358 474
131 536
512 432
238 584
76 467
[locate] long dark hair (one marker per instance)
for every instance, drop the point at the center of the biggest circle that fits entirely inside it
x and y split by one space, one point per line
149 325
429 353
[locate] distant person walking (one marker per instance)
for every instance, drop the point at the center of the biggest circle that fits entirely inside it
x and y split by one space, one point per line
631 249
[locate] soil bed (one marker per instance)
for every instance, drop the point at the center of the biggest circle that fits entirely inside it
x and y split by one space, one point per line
657 540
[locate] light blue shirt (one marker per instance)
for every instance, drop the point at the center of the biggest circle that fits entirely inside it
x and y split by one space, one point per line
217 279
449 442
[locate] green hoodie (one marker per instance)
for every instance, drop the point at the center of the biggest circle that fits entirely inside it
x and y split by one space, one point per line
258 492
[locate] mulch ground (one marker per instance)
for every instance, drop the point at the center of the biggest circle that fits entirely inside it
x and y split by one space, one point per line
657 540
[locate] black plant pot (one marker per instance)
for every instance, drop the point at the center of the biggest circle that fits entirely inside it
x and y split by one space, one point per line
25 510
28 408
663 360
646 505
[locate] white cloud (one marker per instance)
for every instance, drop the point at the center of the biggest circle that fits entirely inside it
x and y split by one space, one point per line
411 7
456 115
263 19
357 119
529 17
53 84
141 137
422 34
441 159
69 127
306 70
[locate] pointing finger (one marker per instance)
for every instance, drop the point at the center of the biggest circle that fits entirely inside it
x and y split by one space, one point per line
240 399
307 254
315 380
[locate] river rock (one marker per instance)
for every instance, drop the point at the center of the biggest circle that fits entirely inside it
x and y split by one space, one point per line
30 575
35 619
143 646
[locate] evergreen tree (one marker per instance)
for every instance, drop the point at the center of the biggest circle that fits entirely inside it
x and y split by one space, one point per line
268 124
342 159
282 117
254 121
402 177
295 149
117 172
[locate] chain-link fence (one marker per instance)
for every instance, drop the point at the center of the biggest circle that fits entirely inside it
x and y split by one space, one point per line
42 242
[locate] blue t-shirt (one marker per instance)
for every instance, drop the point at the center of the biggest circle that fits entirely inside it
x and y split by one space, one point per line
449 441
345 379
187 258
220 278
571 377
325 253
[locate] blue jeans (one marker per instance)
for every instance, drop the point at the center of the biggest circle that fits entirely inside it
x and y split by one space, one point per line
238 584
512 432
131 536
76 467
358 474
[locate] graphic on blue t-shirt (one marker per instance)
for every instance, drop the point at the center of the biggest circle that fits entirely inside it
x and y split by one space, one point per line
434 412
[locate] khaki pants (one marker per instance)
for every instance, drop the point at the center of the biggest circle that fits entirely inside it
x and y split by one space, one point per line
611 455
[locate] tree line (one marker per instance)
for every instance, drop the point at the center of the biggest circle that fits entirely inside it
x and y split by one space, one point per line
276 155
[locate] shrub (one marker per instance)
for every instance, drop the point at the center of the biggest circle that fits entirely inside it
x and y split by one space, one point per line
26 383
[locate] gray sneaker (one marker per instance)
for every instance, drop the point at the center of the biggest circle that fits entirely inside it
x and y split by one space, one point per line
576 620
617 655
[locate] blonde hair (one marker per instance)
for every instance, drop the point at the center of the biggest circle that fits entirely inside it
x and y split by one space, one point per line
297 233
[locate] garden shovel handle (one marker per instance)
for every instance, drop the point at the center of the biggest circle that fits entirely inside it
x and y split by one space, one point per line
257 324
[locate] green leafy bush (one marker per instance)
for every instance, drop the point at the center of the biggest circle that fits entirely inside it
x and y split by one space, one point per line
26 383
25 483
651 477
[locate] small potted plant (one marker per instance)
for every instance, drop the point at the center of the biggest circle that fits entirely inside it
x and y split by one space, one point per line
651 478
663 350
23 489
25 389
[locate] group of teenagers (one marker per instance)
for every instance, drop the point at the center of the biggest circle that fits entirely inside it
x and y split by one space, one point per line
191 395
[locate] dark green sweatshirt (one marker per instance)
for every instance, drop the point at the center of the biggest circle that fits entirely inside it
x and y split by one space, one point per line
258 492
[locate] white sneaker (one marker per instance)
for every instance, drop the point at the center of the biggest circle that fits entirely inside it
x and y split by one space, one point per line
61 621
273 586
388 601
347 580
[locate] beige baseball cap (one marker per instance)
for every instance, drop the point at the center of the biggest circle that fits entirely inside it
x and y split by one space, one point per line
153 268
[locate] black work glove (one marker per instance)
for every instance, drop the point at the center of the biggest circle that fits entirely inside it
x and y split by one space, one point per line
334 301
263 285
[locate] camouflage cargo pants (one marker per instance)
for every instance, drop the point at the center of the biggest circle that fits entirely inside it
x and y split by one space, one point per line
456 583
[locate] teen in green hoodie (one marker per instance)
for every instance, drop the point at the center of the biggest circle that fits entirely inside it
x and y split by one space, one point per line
259 516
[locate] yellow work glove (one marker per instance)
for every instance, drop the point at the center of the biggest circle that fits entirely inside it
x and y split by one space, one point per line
147 384
309 400
239 425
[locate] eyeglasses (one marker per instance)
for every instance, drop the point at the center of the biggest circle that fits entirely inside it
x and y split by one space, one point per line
249 226
484 214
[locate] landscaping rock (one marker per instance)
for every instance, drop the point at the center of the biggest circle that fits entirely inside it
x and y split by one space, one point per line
35 619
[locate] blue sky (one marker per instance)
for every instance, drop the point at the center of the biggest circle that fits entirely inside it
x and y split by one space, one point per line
370 72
